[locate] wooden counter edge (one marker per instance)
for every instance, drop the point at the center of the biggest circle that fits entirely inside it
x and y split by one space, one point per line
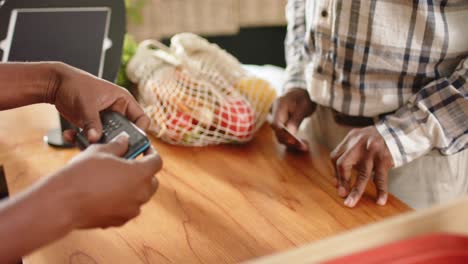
450 218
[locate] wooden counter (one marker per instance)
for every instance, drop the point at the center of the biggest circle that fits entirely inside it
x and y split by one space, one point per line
215 205
448 218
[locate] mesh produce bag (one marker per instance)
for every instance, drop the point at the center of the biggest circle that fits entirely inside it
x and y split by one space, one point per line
197 94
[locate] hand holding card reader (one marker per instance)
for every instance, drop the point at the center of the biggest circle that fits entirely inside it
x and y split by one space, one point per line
115 124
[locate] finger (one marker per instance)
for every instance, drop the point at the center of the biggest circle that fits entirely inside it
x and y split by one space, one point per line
143 122
339 184
116 220
125 217
381 184
115 223
150 151
118 146
92 126
150 165
335 182
282 136
364 174
295 121
296 144
154 185
152 188
69 135
120 105
128 106
344 166
137 115
339 150
280 114
134 213
291 141
351 139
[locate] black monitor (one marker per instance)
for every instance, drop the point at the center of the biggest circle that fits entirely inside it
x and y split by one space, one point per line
87 34
82 39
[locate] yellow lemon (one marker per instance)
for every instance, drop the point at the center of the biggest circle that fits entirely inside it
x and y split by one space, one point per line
258 91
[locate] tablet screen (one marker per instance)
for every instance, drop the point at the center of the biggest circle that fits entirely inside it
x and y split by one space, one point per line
76 36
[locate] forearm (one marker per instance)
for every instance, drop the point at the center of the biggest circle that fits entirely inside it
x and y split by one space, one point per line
28 83
435 118
32 219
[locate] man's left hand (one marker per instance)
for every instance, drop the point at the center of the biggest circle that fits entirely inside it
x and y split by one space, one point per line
365 150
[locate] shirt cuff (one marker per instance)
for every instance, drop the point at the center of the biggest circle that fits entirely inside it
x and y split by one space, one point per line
404 146
294 83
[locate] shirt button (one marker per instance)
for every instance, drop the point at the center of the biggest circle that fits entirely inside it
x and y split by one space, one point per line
319 70
324 13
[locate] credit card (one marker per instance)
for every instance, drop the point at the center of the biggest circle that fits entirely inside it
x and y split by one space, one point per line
293 141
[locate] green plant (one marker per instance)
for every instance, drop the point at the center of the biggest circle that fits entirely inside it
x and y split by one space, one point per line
133 8
129 48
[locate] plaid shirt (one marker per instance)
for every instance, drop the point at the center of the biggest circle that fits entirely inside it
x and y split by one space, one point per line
368 58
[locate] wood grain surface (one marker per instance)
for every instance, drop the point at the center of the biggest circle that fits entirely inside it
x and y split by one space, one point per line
220 204
447 218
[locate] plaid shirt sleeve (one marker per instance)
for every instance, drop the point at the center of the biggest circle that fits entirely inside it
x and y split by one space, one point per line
434 118
296 59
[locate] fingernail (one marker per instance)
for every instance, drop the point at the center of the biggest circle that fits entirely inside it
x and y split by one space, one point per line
349 201
381 201
341 191
121 138
92 133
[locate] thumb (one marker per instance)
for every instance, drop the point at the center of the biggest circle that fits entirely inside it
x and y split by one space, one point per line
92 126
118 146
295 121
280 113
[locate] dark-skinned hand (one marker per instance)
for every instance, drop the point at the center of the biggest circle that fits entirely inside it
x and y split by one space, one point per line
364 150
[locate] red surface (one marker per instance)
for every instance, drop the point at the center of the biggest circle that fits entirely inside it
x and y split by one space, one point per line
428 249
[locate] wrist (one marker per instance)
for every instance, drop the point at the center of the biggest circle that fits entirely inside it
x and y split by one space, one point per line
294 83
297 91
37 213
54 75
67 199
56 204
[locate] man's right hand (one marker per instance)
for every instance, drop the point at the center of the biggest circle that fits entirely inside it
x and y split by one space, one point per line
104 190
289 111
